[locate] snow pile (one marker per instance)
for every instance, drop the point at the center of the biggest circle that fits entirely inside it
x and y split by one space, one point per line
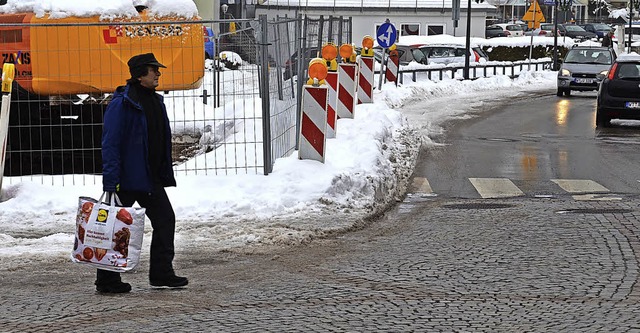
112 9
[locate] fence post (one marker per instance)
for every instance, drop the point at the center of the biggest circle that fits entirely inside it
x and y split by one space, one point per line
264 94
8 72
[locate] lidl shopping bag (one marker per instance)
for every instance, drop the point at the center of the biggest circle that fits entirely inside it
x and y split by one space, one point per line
108 236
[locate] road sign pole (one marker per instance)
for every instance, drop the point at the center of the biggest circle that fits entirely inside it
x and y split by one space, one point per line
468 42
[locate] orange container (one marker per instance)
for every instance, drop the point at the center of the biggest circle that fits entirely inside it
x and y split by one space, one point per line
77 55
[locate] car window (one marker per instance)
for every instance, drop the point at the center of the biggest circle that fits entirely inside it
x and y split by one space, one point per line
514 28
576 56
494 28
459 52
573 28
419 56
440 52
628 71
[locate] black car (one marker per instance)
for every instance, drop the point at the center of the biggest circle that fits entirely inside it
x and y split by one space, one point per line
494 31
578 33
619 93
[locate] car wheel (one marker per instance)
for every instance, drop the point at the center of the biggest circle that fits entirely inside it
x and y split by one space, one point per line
567 92
601 120
559 93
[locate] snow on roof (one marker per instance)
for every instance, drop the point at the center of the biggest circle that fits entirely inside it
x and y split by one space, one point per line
57 9
369 4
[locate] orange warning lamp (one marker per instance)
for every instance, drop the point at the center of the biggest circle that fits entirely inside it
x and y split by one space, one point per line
329 51
346 52
317 71
367 42
367 46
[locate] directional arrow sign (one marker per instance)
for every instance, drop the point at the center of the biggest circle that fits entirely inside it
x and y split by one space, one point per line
386 35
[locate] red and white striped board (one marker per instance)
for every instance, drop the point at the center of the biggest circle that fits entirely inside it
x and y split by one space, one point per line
313 123
332 104
365 80
346 90
391 73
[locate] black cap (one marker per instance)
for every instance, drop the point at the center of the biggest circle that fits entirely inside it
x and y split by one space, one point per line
142 60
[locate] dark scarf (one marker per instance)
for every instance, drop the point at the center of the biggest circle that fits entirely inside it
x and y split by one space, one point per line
152 107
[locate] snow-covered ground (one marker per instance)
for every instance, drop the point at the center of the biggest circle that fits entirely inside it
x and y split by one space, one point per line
366 168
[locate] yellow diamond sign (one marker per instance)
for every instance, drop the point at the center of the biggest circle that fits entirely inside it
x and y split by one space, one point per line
534 16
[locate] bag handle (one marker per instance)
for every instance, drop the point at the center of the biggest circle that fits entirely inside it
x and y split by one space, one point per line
112 198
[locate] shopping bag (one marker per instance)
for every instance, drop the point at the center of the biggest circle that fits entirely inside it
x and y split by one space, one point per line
108 236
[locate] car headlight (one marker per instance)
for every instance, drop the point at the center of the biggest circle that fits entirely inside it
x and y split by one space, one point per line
604 72
565 72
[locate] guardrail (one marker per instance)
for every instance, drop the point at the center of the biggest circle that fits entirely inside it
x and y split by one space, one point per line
476 70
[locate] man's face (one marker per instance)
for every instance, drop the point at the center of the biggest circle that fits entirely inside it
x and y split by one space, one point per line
150 80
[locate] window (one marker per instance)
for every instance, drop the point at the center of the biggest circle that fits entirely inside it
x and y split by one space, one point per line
435 30
410 30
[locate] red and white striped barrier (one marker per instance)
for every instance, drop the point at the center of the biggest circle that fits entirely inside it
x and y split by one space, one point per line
346 90
332 104
391 74
313 123
365 80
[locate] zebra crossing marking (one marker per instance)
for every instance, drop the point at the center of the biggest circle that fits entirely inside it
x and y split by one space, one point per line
422 186
580 186
495 187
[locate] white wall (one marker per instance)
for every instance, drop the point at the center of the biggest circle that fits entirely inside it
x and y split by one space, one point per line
365 23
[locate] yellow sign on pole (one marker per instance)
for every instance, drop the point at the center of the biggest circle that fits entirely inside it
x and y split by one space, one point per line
534 16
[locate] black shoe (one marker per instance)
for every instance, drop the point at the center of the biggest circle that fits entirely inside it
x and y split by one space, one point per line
113 288
172 281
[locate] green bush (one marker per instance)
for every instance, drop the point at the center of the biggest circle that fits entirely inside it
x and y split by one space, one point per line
515 53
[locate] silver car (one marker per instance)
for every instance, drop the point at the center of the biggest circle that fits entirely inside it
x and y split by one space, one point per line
583 68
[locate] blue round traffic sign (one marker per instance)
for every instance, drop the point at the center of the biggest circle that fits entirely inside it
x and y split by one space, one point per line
386 35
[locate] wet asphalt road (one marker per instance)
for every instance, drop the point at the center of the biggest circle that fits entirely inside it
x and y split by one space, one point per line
443 260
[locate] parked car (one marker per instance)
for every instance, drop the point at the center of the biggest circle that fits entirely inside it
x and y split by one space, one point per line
209 48
291 65
545 29
583 68
512 29
576 32
493 30
619 93
406 54
600 29
451 53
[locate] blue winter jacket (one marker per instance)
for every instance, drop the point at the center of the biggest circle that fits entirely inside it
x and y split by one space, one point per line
125 148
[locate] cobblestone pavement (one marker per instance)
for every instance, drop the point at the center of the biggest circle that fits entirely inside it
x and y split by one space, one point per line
429 265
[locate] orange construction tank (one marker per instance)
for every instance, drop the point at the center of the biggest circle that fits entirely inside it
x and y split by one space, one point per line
80 55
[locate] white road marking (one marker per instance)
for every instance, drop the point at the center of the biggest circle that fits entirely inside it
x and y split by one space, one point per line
421 185
580 186
495 187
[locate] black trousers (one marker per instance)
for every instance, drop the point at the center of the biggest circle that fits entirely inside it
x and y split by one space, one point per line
163 221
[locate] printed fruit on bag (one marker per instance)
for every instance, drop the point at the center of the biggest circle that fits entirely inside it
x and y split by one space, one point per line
124 216
121 238
87 253
81 234
99 253
86 210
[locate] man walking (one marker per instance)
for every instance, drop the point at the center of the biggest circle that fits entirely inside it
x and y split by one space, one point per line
607 40
136 155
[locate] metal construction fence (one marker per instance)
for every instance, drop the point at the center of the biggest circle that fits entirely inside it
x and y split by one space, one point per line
231 97
67 72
